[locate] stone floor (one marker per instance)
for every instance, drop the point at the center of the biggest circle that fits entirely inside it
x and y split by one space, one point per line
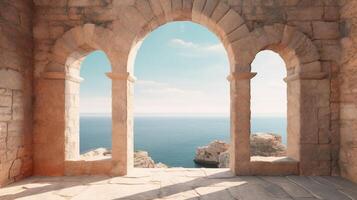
180 183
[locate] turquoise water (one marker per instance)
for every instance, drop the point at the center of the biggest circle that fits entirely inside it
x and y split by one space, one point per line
171 140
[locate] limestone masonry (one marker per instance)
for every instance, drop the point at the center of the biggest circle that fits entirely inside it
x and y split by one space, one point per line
42 44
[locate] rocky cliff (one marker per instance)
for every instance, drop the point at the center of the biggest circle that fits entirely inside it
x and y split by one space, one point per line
216 153
141 158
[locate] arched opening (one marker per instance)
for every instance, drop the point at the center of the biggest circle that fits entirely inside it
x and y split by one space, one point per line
181 98
88 107
268 106
95 105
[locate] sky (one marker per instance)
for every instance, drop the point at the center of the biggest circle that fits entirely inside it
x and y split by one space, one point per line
181 69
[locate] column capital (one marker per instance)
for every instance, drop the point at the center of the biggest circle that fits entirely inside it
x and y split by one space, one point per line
241 76
306 76
61 76
121 76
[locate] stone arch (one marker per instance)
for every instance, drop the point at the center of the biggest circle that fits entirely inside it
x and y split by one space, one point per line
306 83
286 40
140 17
137 18
58 99
76 43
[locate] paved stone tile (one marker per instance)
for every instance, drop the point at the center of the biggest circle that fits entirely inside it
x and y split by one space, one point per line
195 173
257 188
176 189
218 173
344 186
72 191
291 188
118 191
213 193
175 184
130 181
321 191
190 194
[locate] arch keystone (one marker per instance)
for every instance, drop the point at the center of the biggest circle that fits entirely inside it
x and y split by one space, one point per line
187 5
197 8
88 31
156 7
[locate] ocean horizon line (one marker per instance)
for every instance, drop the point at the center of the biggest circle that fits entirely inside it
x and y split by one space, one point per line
181 115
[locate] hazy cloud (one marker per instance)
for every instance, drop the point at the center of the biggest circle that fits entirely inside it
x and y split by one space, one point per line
95 105
199 48
157 97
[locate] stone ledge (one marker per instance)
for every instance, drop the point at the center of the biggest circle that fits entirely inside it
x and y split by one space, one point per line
273 166
121 76
306 76
61 76
241 76
84 167
272 159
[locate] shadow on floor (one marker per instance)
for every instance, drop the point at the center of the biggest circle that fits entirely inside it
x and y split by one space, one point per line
182 184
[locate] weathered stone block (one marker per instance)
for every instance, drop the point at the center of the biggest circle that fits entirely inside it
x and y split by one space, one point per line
230 21
51 3
315 168
239 33
305 13
311 67
348 112
197 8
221 9
15 168
325 30
304 27
10 14
5 113
156 7
87 3
3 131
145 9
5 100
331 13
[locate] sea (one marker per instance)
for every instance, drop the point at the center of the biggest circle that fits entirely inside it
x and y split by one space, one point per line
171 140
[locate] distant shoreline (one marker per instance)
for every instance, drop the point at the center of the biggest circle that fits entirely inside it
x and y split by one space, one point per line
178 115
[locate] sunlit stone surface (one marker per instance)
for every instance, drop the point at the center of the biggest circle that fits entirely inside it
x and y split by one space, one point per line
178 183
42 43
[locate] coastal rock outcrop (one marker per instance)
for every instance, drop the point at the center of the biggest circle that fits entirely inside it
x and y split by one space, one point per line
216 154
96 154
209 155
223 160
267 145
141 158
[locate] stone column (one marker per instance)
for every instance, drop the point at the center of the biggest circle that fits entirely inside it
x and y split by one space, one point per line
122 122
308 122
240 122
293 117
51 124
72 145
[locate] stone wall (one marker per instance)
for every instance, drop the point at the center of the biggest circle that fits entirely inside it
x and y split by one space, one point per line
319 20
328 100
15 90
348 91
129 20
